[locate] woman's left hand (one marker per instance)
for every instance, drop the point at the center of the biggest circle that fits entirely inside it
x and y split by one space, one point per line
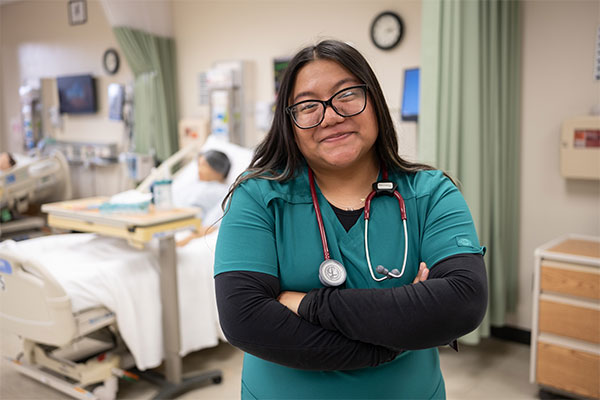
291 300
422 274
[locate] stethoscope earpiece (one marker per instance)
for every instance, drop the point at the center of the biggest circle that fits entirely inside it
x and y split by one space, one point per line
395 273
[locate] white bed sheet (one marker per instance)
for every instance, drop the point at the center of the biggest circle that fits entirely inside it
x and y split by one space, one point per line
96 270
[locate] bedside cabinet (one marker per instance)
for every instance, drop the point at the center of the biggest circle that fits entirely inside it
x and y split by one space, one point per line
565 334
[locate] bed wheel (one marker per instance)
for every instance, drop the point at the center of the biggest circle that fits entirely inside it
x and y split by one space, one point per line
217 379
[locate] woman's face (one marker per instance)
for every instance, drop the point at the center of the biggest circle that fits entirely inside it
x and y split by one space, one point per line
337 142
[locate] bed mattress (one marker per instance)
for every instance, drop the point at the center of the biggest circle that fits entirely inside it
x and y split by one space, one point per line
102 271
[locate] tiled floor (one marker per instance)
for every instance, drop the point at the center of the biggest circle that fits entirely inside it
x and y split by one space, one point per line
493 370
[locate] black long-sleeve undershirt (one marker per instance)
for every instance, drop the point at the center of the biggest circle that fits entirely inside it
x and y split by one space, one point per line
450 304
352 328
253 320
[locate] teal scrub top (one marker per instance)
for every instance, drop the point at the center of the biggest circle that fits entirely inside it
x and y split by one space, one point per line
271 227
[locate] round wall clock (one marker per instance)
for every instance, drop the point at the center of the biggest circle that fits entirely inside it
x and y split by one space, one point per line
110 61
386 30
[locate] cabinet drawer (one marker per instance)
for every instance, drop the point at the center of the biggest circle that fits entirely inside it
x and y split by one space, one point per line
571 281
569 320
567 369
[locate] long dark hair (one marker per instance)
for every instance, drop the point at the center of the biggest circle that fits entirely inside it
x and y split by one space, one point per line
278 158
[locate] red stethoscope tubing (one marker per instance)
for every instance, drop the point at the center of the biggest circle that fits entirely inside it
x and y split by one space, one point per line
384 175
313 193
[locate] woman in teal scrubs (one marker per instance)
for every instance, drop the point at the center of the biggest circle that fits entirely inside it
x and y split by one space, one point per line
374 335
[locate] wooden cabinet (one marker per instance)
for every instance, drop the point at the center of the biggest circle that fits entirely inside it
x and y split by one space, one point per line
565 335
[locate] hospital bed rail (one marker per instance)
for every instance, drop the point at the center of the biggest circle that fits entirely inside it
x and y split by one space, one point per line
45 178
53 336
168 168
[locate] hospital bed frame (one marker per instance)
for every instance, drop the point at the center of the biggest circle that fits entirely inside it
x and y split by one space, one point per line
172 165
33 182
51 331
138 229
79 354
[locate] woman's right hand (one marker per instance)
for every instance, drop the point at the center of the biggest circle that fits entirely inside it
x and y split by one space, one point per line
422 274
183 242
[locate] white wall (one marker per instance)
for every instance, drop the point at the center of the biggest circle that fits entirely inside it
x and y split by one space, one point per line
37 42
557 83
259 31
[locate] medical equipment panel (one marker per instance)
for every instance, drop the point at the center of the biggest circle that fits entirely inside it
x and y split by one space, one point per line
138 165
192 130
89 153
31 113
580 148
229 96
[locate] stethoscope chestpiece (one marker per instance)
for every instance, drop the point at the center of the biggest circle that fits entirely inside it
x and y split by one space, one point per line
332 273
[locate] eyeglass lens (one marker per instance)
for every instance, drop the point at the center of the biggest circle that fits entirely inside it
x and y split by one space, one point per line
347 102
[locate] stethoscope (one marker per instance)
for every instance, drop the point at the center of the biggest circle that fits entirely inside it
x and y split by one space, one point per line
332 272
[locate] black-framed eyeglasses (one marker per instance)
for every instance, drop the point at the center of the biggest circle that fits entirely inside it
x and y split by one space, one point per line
348 102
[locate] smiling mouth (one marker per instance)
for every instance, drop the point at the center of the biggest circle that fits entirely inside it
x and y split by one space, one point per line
336 137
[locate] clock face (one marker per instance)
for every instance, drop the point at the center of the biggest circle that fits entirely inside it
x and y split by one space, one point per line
111 61
387 30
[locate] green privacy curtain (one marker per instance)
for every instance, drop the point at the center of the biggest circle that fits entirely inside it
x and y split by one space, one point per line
152 60
469 126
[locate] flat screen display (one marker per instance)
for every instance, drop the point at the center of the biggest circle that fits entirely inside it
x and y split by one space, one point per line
77 94
279 66
410 95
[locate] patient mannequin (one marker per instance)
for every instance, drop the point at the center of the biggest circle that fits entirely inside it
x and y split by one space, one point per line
213 168
6 161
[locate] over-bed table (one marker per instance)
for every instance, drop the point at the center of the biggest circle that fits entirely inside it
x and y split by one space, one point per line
138 229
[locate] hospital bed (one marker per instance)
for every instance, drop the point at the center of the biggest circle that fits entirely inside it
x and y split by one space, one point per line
84 277
52 332
32 180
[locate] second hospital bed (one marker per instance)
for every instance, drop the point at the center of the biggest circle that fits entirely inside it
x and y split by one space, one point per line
78 283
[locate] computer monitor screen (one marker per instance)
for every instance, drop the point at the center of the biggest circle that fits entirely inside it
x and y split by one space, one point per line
279 66
410 95
76 94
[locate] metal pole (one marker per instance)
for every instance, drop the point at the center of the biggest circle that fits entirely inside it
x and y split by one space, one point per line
170 308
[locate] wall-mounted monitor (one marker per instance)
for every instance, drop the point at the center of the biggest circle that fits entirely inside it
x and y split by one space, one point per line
279 66
410 95
77 94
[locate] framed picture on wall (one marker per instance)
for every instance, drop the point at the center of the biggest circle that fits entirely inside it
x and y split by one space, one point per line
77 12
